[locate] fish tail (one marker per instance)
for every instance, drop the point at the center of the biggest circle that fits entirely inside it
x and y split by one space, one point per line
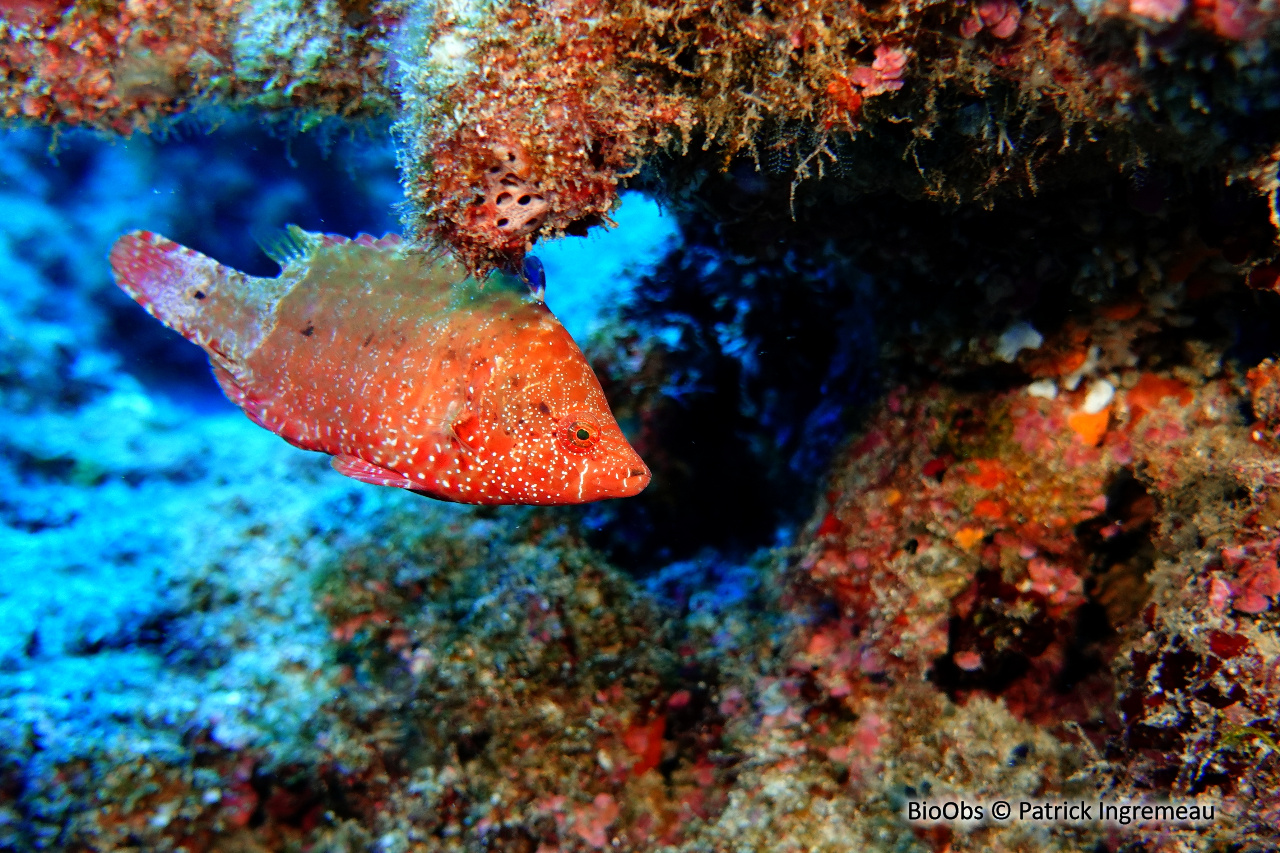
224 311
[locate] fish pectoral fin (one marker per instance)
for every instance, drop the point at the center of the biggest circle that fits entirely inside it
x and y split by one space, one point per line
367 472
464 429
458 425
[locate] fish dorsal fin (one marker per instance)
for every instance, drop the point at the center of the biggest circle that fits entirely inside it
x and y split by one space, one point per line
291 246
294 245
387 265
386 241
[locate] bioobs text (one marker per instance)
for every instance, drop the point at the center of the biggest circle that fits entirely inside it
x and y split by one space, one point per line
951 810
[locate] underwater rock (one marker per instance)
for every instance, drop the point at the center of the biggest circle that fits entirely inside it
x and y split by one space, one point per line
127 66
1097 562
521 119
964 455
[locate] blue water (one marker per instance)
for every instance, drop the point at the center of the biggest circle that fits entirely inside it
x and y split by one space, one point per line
589 279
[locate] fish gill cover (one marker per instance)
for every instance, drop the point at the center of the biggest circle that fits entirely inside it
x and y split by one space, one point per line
948 331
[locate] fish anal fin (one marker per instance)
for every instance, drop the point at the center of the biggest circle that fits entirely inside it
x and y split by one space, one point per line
367 472
237 394
227 381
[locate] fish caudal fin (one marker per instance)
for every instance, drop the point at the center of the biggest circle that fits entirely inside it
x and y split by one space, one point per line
224 311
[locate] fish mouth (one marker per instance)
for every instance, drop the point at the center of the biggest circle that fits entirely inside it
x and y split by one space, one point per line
642 475
634 481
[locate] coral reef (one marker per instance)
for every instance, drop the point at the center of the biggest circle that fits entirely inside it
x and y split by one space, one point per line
1058 514
125 66
1041 565
191 669
522 120
978 99
952 352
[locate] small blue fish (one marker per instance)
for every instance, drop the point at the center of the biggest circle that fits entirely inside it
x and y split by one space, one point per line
536 277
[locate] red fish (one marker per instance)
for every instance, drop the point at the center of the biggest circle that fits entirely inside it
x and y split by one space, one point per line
405 369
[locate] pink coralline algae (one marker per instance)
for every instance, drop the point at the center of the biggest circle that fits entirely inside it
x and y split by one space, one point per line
1240 20
885 73
1015 586
983 542
592 822
1162 11
998 17
1257 579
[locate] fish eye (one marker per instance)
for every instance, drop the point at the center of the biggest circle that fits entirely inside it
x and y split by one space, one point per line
579 433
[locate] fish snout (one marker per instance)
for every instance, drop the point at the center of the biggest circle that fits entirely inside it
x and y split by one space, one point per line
623 478
637 478
632 472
